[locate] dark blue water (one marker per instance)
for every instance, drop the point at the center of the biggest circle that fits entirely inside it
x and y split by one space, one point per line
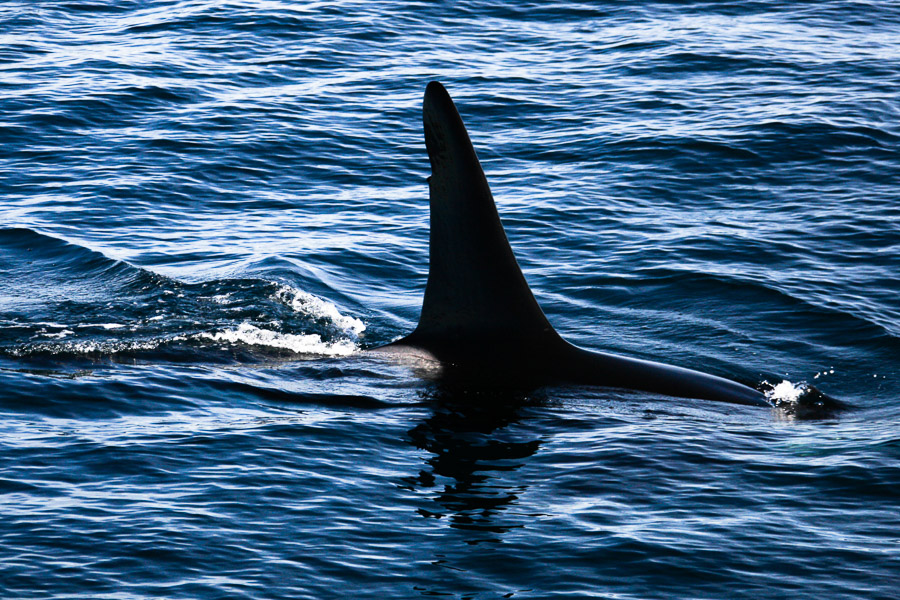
209 208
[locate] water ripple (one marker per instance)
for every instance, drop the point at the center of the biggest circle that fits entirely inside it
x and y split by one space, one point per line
208 208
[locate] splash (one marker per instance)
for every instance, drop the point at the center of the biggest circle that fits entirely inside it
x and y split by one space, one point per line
800 400
786 392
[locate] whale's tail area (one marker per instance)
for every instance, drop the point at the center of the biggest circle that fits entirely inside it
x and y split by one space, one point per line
476 291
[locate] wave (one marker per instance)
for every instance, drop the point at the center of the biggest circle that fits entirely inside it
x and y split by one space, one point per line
750 292
65 300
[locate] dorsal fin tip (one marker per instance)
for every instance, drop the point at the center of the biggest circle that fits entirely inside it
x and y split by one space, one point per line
476 291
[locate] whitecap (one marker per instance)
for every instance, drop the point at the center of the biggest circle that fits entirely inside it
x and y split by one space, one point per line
308 304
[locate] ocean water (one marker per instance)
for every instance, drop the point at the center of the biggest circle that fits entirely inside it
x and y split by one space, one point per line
209 209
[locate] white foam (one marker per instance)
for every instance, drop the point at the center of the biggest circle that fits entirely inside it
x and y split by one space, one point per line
340 340
50 324
105 347
103 325
60 334
300 344
786 392
306 303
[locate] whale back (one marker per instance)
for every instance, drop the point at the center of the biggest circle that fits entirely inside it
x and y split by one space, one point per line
479 318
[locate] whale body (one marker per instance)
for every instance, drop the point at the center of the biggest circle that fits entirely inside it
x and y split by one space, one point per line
480 320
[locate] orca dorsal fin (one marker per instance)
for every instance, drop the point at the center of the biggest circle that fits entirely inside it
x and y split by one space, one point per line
476 291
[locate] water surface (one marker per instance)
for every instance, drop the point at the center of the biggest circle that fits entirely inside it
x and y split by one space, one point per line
208 210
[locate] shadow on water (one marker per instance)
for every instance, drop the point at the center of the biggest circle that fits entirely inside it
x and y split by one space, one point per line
475 440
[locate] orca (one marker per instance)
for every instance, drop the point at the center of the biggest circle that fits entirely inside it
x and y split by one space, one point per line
480 320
